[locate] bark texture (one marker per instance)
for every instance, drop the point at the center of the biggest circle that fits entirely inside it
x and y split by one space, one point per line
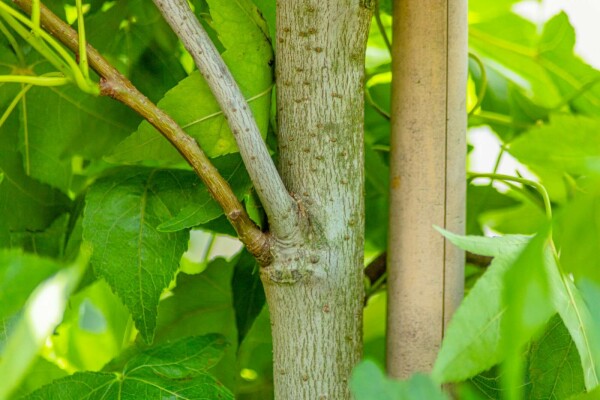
425 273
314 286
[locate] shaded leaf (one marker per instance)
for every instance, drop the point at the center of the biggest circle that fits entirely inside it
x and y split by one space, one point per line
248 293
369 382
171 370
26 205
554 364
204 208
481 199
200 304
526 297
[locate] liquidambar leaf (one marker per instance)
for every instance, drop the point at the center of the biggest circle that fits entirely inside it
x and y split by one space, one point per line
526 296
191 103
175 370
567 144
554 365
369 382
121 217
471 343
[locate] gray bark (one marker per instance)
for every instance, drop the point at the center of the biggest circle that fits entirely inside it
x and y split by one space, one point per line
314 286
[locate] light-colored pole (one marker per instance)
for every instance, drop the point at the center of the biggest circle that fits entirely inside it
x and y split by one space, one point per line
425 278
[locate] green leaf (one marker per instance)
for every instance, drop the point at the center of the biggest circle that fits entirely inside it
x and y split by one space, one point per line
49 242
41 372
481 199
577 234
567 144
121 217
136 39
200 304
19 274
510 45
554 364
204 208
248 55
94 328
470 345
369 382
576 80
171 370
248 293
577 306
26 205
70 115
45 306
255 360
526 297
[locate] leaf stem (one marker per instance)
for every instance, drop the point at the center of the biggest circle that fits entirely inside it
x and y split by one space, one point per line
41 41
83 62
382 30
536 185
35 80
280 207
115 85
484 83
501 119
13 43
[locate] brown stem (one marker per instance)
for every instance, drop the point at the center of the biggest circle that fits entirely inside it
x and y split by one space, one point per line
377 268
114 84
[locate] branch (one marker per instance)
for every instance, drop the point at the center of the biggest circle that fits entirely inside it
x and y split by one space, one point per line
115 85
280 207
378 267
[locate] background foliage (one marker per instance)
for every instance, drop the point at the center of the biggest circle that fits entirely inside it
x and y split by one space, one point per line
144 317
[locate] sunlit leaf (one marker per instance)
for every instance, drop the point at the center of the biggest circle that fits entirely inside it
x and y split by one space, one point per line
567 144
471 343
19 274
191 103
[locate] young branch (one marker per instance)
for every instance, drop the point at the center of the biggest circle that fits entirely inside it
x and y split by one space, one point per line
115 85
280 207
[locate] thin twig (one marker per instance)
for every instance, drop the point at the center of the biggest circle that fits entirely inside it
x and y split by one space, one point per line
382 30
115 85
280 207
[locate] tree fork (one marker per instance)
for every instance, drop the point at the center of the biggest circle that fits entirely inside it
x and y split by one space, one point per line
425 274
113 84
315 289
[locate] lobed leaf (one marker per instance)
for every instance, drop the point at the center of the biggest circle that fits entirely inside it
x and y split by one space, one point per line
471 342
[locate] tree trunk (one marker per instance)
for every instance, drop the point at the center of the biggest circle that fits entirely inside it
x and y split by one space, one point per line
425 281
314 286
